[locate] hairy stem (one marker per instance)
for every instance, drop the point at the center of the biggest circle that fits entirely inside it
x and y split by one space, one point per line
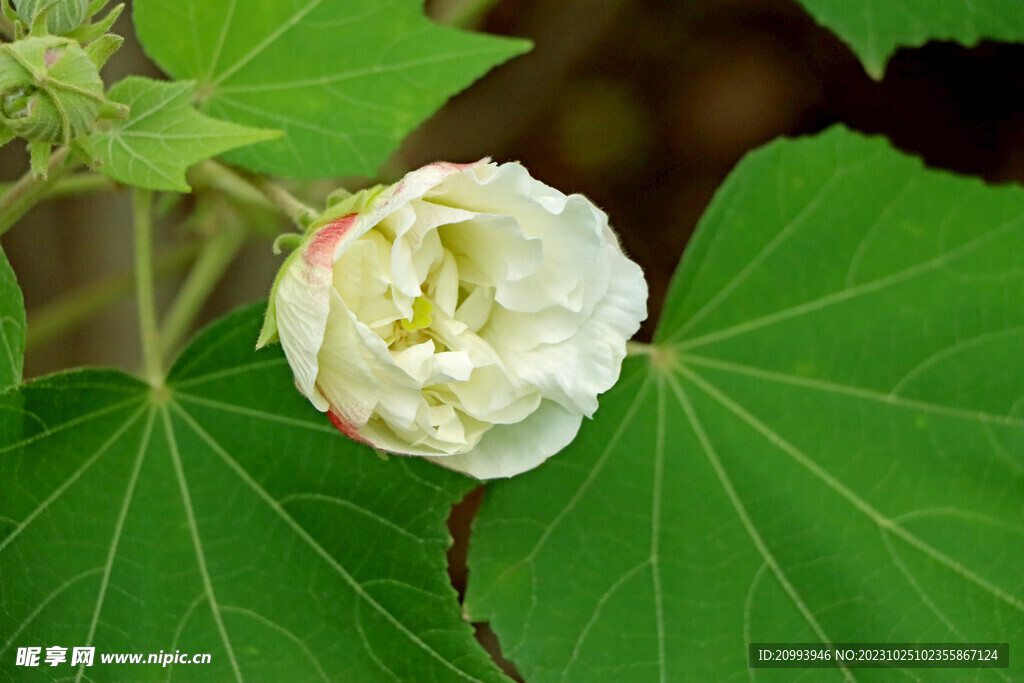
82 183
212 175
301 214
73 308
152 367
29 190
76 184
253 190
217 254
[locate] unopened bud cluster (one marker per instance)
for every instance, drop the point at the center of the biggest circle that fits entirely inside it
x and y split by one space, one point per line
51 92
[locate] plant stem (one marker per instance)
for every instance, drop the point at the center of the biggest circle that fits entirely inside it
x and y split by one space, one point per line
82 183
216 176
254 190
71 309
301 214
29 190
79 183
635 348
152 369
217 254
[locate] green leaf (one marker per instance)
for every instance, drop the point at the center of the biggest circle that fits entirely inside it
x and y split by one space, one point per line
12 325
224 516
876 28
346 80
826 444
164 135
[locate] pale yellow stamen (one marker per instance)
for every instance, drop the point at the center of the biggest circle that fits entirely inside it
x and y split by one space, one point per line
421 310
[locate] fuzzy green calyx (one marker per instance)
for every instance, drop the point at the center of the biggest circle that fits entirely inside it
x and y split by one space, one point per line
51 91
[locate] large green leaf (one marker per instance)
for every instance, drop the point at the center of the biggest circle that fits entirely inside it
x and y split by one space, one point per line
345 79
164 135
826 443
876 28
221 516
12 325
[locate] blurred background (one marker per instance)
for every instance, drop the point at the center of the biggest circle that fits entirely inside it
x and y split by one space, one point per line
644 106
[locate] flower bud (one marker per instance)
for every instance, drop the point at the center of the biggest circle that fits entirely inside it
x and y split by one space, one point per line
64 15
50 89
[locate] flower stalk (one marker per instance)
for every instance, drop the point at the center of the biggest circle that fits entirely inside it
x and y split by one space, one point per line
144 290
29 190
217 255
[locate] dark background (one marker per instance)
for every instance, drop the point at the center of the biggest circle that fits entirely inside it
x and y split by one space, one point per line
644 106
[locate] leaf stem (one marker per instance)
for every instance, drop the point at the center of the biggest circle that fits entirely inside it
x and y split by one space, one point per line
76 184
301 214
152 369
218 253
255 188
82 183
29 190
216 176
635 348
71 309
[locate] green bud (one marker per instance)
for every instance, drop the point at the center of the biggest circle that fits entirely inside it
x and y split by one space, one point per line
64 15
50 89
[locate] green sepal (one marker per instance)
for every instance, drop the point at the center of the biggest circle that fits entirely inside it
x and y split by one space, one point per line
95 6
289 240
339 195
115 110
342 203
102 48
90 32
83 149
8 11
38 22
39 158
268 332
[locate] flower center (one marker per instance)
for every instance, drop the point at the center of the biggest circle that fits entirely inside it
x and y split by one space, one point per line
421 315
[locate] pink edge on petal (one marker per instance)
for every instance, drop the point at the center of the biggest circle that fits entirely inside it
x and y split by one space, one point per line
452 167
319 253
345 427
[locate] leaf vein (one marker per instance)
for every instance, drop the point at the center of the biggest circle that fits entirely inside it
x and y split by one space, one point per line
275 506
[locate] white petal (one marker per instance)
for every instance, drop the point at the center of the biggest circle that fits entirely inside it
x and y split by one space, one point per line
571 229
575 371
444 289
491 250
417 361
357 372
508 450
302 299
475 311
451 366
